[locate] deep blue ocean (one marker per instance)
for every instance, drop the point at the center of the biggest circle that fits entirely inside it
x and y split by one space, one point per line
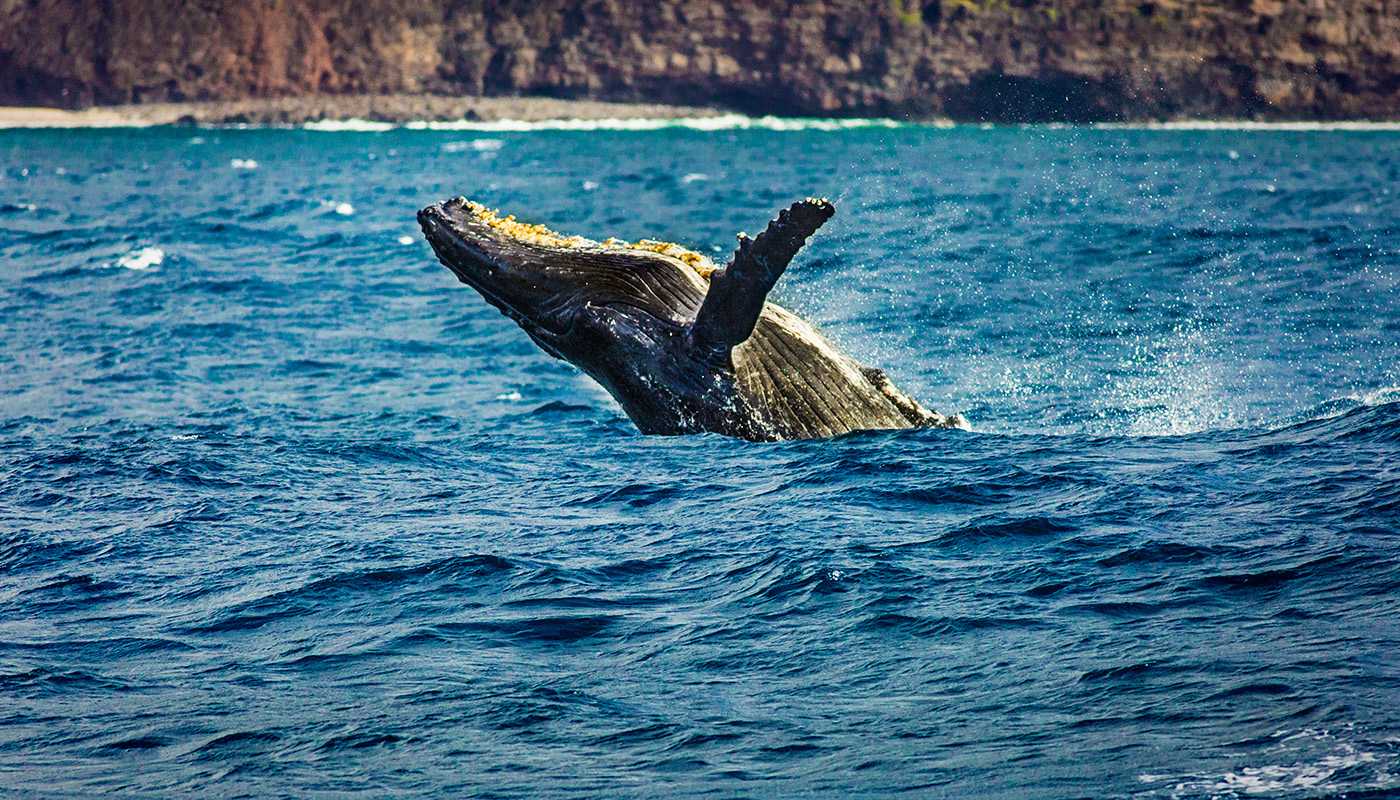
286 511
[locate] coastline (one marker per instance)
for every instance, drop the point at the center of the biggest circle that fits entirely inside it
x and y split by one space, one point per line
382 111
386 108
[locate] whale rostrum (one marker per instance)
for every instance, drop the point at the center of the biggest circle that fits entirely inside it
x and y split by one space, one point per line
683 345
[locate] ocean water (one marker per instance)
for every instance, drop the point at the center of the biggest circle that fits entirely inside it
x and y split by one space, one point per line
285 511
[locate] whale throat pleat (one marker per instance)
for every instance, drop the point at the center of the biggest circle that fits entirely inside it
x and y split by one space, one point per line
814 390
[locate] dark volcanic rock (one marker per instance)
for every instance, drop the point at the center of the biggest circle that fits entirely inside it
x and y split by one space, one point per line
1000 60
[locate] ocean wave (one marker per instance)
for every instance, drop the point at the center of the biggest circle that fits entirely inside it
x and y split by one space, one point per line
1339 406
295 474
1374 417
1306 763
723 122
144 258
1255 125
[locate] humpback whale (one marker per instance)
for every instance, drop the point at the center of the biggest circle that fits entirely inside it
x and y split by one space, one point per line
684 345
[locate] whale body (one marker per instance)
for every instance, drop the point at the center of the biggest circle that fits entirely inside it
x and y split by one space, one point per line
683 345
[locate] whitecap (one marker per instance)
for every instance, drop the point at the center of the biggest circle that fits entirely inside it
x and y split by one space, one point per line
243 163
406 240
478 145
695 176
1298 765
344 209
1244 125
1389 394
1337 406
145 258
348 125
510 396
721 122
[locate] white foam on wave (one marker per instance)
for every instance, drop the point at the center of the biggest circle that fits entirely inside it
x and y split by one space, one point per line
1380 397
1338 406
356 125
243 163
1245 125
477 145
1340 767
721 122
145 258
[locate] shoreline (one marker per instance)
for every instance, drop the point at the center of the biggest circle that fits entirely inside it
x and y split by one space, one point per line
389 108
378 112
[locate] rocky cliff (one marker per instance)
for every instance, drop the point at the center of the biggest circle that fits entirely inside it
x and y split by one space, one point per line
1003 60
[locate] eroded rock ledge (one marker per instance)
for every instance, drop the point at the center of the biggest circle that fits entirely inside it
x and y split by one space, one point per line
999 60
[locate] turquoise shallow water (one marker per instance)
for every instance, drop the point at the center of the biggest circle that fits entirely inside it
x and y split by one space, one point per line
285 511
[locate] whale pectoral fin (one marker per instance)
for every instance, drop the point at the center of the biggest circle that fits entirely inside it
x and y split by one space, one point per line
917 415
737 292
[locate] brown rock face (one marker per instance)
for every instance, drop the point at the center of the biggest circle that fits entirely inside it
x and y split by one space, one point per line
1001 60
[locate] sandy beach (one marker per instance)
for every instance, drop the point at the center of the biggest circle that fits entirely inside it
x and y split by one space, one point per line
393 108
